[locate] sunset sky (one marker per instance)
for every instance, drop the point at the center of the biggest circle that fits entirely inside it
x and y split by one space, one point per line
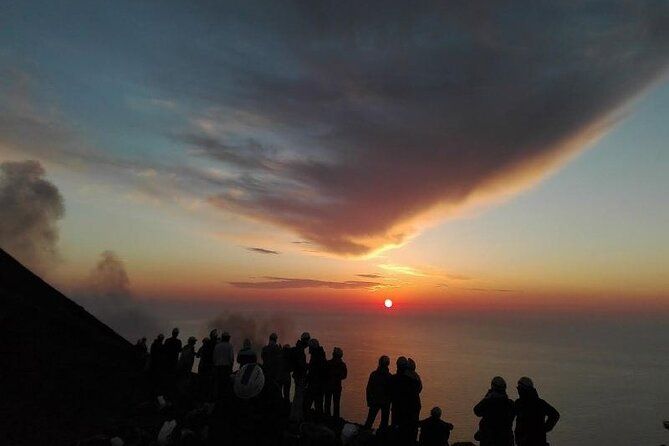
459 156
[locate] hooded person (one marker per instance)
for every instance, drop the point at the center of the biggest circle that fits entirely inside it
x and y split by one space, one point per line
336 373
534 416
405 403
379 393
497 412
433 430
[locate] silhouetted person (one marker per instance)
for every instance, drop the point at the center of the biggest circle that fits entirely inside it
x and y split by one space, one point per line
205 368
336 373
246 355
316 376
496 411
185 365
434 431
157 361
272 358
284 373
172 350
141 352
405 403
379 394
415 405
299 367
224 359
534 416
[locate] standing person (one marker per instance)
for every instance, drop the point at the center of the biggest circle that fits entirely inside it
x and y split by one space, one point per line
434 431
299 366
534 416
172 350
497 412
205 369
142 353
284 374
415 405
185 365
405 399
156 361
272 358
316 377
379 394
224 359
336 373
246 355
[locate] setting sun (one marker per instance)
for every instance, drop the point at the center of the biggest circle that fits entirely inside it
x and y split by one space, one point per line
388 303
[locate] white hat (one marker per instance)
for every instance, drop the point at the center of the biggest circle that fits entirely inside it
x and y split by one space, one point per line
249 381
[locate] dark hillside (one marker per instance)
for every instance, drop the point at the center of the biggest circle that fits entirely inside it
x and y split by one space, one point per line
63 373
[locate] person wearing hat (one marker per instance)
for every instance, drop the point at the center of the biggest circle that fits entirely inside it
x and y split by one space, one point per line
534 416
433 430
336 373
497 412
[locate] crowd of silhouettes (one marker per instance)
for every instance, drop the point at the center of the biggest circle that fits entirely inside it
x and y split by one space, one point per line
253 404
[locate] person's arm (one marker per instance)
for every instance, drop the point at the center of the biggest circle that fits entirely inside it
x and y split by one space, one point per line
344 371
369 389
552 417
480 408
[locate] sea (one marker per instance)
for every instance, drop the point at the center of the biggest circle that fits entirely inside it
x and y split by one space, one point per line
607 375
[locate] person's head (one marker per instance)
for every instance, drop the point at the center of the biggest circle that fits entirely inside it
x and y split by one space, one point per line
175 332
305 337
247 343
286 346
213 334
402 364
161 337
526 388
143 340
525 383
313 344
225 337
384 361
411 365
435 412
192 340
273 338
337 353
498 384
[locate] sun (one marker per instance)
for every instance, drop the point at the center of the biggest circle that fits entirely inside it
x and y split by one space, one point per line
388 303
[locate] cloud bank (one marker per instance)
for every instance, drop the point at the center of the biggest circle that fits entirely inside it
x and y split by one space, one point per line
282 283
30 207
354 124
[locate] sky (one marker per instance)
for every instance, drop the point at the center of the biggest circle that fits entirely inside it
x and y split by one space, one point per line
452 155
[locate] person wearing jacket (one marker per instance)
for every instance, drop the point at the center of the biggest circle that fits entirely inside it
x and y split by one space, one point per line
299 368
224 359
534 416
497 412
316 377
379 394
336 373
205 368
246 355
405 410
271 356
284 373
434 431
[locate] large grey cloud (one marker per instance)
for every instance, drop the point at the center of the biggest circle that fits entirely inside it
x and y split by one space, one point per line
347 122
30 207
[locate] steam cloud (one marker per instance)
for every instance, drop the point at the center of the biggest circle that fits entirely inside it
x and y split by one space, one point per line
257 329
107 295
30 207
